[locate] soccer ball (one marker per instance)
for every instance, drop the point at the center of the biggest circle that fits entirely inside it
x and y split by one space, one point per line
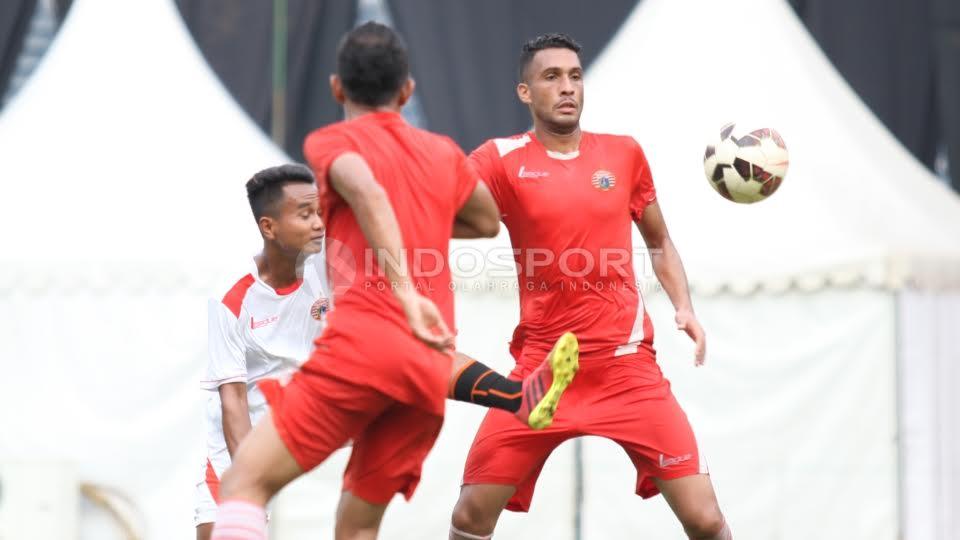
746 167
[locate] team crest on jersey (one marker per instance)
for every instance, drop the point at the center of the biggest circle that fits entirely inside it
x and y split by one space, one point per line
319 308
603 180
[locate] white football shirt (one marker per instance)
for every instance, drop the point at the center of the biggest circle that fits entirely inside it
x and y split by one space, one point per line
255 332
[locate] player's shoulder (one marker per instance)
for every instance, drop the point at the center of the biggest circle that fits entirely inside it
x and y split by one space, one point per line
232 286
234 297
326 137
437 142
333 129
501 147
614 139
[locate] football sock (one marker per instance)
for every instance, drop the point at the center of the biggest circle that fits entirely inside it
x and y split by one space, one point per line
240 520
477 383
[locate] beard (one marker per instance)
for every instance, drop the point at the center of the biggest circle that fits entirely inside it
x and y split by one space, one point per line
561 125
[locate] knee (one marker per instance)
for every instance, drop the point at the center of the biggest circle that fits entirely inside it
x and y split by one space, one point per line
705 524
471 517
235 483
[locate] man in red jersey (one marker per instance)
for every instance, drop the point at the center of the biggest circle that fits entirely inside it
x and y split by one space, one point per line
368 379
568 198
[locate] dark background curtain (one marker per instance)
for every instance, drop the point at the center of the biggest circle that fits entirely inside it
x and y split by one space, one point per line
903 59
464 55
901 56
14 22
947 35
237 40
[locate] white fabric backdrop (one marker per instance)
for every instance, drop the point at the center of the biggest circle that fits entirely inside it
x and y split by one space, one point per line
795 411
929 375
108 382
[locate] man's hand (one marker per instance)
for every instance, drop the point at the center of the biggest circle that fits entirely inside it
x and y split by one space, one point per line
688 322
426 321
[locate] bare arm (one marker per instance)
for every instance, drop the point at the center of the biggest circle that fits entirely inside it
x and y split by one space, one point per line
352 178
669 270
479 217
236 414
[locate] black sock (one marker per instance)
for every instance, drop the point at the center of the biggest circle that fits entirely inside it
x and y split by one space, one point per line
476 383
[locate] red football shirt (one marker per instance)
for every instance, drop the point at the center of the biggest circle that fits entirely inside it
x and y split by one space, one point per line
427 179
570 218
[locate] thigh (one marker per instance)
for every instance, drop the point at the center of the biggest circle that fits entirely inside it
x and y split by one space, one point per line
650 425
357 517
479 507
388 454
690 497
316 414
261 467
309 418
507 452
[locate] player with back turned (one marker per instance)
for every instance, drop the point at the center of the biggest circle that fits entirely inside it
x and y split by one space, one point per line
382 368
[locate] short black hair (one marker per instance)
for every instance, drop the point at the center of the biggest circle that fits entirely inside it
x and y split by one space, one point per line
372 64
265 189
546 41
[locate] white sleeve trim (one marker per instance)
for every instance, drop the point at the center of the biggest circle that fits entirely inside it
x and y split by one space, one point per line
505 146
215 385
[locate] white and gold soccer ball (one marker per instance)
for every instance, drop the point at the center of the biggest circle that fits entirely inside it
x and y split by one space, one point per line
746 166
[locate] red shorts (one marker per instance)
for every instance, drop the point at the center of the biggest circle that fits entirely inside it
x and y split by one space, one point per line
326 404
624 399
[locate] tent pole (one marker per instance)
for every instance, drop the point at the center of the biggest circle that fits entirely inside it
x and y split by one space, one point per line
899 404
278 111
578 488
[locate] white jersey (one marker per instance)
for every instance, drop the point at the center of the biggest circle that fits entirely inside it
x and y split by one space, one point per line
255 332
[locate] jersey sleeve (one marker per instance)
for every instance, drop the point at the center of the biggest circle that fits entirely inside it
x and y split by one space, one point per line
643 192
486 161
320 149
226 360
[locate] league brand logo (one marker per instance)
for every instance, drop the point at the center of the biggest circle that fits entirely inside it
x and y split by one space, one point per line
254 324
524 173
668 461
319 308
603 180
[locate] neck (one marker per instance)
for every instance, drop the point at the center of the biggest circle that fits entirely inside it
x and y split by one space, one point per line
557 140
353 110
277 268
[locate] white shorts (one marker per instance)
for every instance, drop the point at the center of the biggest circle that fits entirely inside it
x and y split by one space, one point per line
218 457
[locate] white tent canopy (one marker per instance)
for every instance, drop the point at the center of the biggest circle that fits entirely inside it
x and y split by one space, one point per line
855 206
124 146
122 162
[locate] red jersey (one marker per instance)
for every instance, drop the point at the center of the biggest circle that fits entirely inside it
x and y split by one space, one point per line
570 218
427 179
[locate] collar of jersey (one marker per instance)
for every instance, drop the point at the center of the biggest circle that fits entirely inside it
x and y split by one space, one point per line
282 291
562 156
